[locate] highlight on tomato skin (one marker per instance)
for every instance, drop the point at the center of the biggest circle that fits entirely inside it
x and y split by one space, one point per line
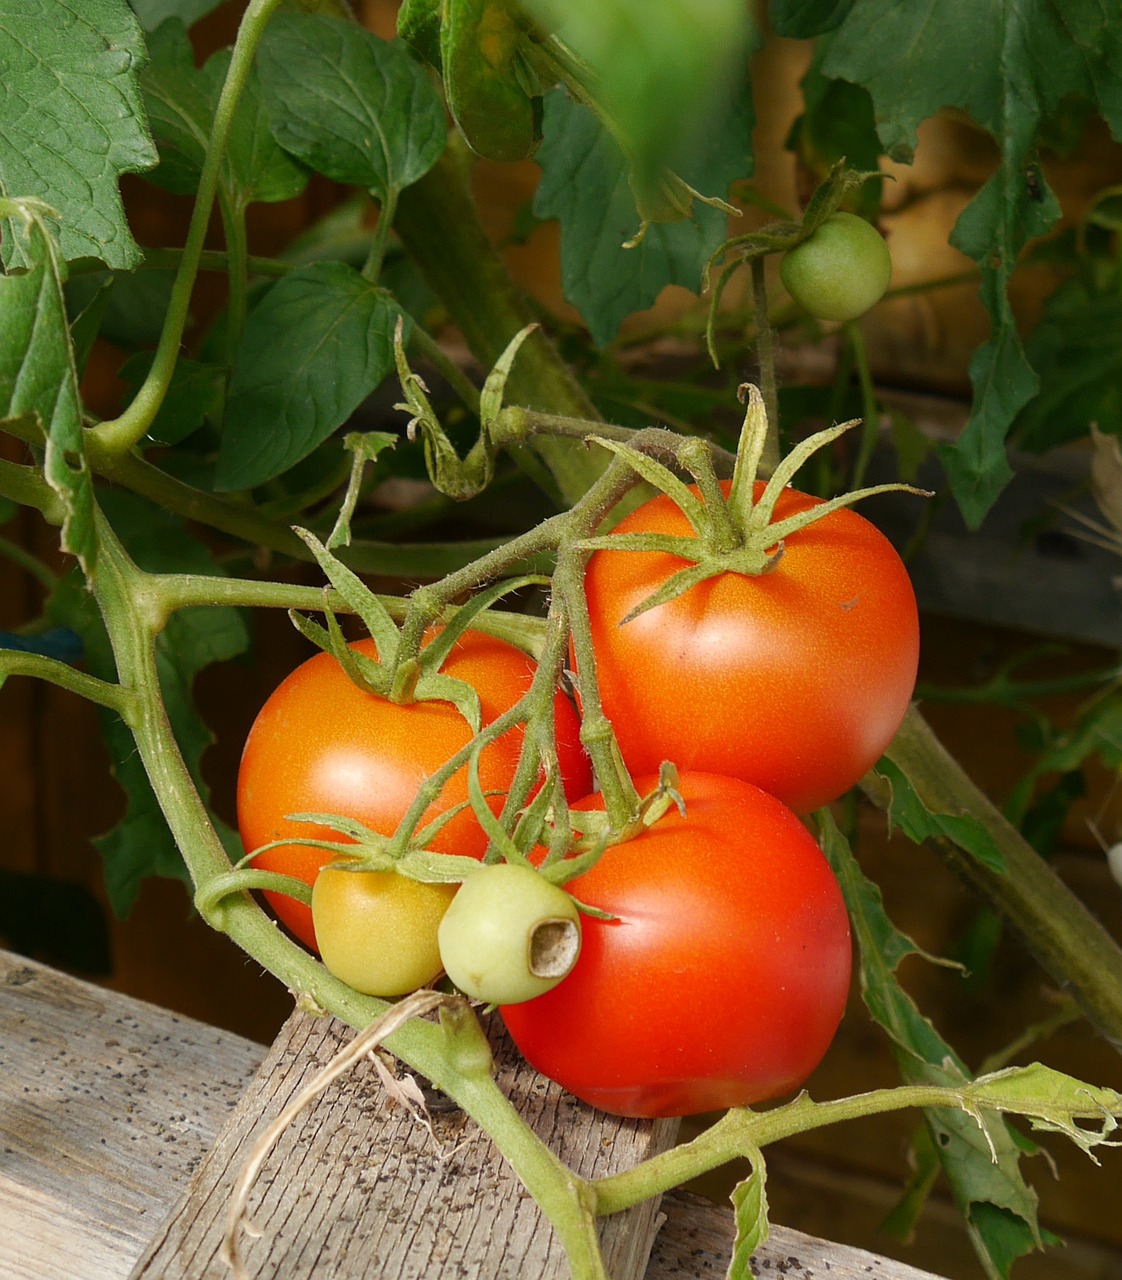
795 680
724 975
320 744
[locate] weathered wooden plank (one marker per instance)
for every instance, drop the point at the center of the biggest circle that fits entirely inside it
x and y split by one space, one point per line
106 1106
695 1242
356 1186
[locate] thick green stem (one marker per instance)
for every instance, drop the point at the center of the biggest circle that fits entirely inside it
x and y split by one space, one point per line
122 433
439 226
1069 943
741 1130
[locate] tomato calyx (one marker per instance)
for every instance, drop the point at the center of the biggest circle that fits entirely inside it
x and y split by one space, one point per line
734 531
362 849
396 675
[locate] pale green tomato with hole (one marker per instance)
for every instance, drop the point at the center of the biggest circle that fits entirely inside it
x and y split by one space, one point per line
377 930
509 935
840 271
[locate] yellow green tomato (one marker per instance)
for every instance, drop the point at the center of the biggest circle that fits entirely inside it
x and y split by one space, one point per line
840 271
377 930
509 935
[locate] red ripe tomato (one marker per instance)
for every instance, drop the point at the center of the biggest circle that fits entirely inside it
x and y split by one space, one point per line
320 744
723 978
795 680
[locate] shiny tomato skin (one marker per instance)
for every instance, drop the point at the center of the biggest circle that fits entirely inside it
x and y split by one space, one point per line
795 680
322 745
724 976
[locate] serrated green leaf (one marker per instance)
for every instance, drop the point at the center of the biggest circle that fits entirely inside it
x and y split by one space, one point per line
978 1152
351 106
73 121
908 812
141 845
153 12
38 373
318 343
585 185
749 1202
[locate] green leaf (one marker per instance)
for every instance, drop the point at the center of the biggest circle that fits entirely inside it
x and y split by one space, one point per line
349 105
1075 352
181 101
585 185
908 812
38 373
73 121
318 343
153 12
661 70
978 1152
141 844
749 1202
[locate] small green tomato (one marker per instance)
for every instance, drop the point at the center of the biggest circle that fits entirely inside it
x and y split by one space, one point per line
509 935
376 930
840 271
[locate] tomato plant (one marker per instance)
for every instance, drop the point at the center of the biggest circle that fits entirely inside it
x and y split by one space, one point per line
795 679
509 935
840 270
321 744
722 978
377 930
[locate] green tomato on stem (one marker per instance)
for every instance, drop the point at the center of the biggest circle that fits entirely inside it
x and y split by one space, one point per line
509 935
840 271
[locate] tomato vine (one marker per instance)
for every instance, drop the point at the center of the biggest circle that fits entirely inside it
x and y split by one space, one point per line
262 397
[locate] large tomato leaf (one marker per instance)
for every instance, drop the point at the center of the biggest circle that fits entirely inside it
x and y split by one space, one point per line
979 1153
39 374
141 845
73 122
349 105
319 342
586 186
